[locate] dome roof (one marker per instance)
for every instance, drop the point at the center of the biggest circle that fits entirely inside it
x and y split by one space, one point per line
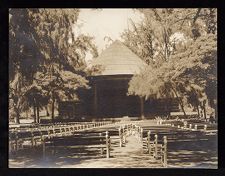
118 59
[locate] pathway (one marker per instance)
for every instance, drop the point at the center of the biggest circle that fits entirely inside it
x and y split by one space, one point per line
129 156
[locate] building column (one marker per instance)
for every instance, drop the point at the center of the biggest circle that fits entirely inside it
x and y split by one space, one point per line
95 99
142 107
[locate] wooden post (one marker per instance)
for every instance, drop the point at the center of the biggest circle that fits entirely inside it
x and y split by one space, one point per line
43 147
35 142
60 128
148 141
124 135
123 129
16 141
40 134
100 134
64 130
131 129
68 129
185 125
196 127
53 130
120 137
156 146
48 134
136 131
141 135
165 152
32 137
107 145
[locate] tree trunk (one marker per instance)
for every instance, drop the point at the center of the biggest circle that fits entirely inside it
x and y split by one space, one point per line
142 108
166 106
166 53
17 118
204 111
180 101
46 108
38 116
198 111
215 108
35 117
182 106
53 109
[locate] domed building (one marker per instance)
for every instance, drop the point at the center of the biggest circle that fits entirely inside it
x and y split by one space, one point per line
109 86
117 66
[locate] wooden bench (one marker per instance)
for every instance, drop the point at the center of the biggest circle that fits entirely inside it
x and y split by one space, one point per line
100 141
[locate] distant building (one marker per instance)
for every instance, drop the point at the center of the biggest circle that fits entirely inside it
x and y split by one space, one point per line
108 94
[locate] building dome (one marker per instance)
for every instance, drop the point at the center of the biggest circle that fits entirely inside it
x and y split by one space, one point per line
118 59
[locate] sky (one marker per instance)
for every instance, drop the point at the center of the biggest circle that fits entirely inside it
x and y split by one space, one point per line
100 23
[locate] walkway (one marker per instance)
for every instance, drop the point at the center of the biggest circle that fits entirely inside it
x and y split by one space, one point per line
129 156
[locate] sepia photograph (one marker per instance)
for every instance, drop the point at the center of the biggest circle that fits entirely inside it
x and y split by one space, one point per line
113 88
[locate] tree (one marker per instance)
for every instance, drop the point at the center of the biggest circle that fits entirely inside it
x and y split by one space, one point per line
186 75
157 37
37 98
23 51
60 85
44 39
16 97
54 31
191 68
64 51
152 39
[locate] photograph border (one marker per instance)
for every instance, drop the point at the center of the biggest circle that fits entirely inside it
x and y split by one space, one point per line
107 4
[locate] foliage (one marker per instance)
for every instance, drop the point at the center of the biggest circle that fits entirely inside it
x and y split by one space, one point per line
47 55
157 37
190 72
16 97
